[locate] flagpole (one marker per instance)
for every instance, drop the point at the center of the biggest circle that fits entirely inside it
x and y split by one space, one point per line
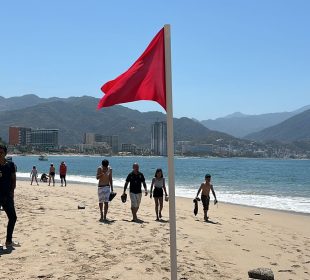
170 149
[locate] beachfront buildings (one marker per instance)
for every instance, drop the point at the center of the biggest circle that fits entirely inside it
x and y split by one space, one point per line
159 139
95 139
40 138
19 136
44 138
129 148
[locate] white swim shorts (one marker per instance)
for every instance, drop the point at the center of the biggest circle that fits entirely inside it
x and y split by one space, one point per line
103 193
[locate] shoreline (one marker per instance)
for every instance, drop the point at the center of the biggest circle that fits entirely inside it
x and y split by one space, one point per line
153 156
182 197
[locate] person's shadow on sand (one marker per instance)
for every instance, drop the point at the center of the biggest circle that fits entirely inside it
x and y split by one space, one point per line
6 251
209 222
162 221
108 222
137 221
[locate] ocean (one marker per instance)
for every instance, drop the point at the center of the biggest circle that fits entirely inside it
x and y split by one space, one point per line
269 183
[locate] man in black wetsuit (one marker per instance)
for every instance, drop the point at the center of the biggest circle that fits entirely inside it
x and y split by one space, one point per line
135 179
7 187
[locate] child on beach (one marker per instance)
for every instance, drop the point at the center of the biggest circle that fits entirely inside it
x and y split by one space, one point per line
51 175
159 187
34 175
205 188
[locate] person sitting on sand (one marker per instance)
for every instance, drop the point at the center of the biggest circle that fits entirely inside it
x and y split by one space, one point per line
135 179
44 178
51 175
205 188
105 186
159 187
34 175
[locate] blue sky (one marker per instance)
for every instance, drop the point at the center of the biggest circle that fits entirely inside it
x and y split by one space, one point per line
249 56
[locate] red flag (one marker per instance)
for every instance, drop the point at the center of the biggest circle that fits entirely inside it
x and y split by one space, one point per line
144 80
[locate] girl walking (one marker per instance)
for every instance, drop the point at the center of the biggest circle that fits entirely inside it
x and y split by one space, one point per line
158 182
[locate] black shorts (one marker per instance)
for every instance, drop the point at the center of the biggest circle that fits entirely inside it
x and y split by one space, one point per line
52 174
158 192
62 176
205 202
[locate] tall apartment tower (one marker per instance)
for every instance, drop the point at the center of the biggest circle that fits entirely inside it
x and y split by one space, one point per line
159 139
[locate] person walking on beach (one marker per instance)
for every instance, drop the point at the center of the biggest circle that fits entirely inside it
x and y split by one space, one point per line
159 188
34 175
105 187
205 189
135 179
51 175
63 173
7 187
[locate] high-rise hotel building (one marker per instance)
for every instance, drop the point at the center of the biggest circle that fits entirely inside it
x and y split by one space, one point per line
159 139
40 138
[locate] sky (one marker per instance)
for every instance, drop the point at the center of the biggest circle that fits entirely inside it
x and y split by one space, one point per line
249 56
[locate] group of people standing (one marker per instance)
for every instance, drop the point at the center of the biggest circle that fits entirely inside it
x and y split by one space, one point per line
51 176
135 180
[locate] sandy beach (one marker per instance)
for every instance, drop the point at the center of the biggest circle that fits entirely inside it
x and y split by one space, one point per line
60 241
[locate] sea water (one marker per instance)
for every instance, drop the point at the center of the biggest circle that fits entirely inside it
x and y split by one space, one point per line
269 183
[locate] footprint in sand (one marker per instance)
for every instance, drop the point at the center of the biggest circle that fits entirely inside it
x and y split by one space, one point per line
246 250
149 270
128 268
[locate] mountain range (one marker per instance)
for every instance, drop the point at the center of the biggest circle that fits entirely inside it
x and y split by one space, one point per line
296 128
76 115
240 125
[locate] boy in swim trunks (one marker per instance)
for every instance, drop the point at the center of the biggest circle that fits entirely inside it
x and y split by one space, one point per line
205 195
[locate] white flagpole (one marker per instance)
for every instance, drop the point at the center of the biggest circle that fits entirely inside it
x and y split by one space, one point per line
170 149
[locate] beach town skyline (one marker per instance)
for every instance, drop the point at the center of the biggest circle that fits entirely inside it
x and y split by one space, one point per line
244 56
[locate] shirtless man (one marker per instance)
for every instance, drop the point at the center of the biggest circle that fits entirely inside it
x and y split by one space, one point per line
105 187
205 195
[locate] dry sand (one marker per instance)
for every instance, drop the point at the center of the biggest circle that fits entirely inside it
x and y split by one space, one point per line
58 241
